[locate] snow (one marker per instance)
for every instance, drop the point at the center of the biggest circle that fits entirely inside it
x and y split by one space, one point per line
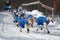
35 13
9 31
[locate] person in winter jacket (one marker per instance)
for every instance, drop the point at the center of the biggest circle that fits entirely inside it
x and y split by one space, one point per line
21 22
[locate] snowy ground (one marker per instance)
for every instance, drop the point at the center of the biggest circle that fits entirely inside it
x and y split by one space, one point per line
9 31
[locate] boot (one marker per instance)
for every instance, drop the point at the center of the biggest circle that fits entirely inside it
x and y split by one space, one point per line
48 31
41 28
28 30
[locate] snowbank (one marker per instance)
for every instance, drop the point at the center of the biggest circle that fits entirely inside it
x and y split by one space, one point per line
35 13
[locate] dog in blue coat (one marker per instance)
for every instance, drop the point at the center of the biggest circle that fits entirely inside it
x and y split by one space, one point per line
42 21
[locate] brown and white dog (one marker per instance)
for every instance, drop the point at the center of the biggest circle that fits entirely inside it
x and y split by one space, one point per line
30 23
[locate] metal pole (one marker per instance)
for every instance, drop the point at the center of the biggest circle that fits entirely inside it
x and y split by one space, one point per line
52 13
38 5
46 12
